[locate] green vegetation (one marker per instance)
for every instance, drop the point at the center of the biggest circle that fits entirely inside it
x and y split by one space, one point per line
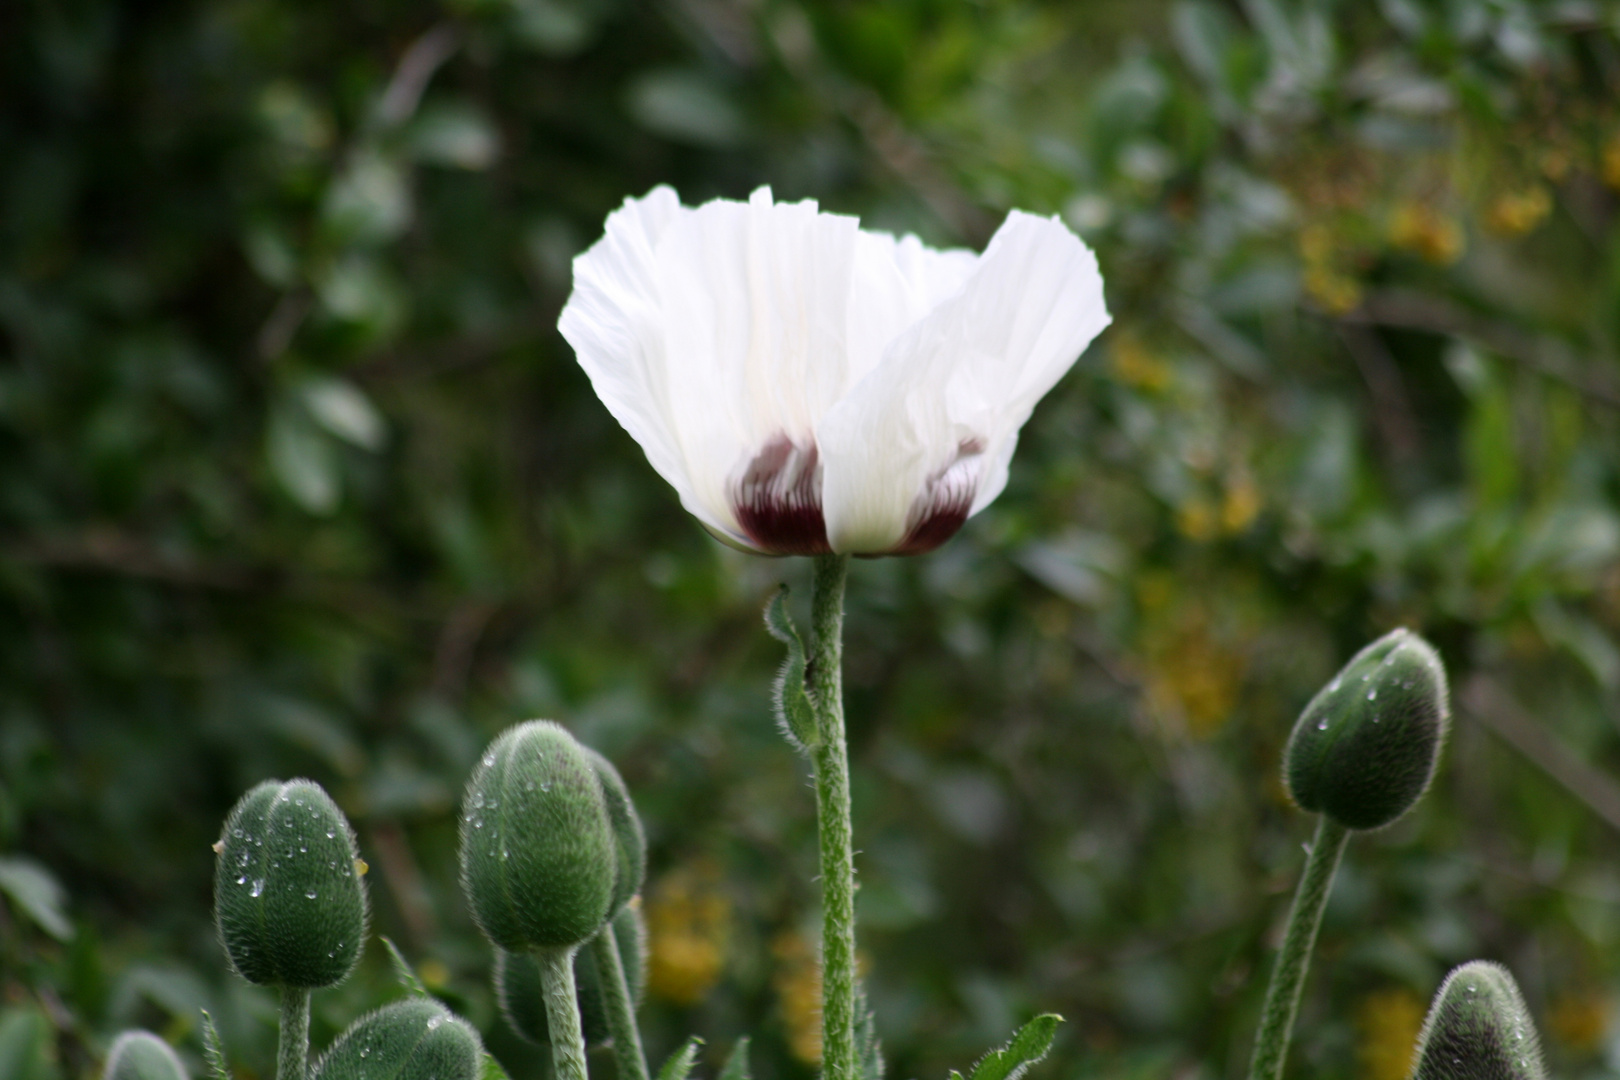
298 479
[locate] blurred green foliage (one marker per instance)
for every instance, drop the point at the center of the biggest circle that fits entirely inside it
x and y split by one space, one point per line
296 478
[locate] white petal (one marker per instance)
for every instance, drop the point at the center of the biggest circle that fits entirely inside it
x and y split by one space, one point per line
932 427
895 284
754 297
614 320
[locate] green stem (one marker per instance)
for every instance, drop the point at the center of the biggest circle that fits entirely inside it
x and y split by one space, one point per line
292 1054
621 1016
826 678
562 1012
1288 977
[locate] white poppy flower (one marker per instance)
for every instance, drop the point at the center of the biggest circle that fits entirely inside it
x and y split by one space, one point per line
808 387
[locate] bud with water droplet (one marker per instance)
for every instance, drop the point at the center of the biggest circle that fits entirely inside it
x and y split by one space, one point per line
630 840
539 861
409 1040
288 898
1479 1029
1364 749
517 983
140 1055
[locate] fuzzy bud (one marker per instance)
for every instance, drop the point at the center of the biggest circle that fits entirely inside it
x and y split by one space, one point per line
630 841
288 898
539 862
1364 749
407 1040
517 983
140 1055
1479 1029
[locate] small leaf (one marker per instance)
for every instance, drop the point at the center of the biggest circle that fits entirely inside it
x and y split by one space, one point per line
403 970
795 715
37 894
736 1066
680 1062
1031 1043
343 409
492 1069
214 1050
301 459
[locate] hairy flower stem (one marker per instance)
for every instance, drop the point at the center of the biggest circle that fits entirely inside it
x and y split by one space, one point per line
1288 977
825 676
562 1012
621 1015
292 1054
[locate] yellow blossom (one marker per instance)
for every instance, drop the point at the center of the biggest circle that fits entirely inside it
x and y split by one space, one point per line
1197 520
687 917
1579 1020
1516 213
1136 365
1611 162
797 983
1389 1022
1423 230
1337 293
1241 504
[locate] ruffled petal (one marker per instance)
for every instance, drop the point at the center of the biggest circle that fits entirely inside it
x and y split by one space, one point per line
614 319
895 283
754 298
923 441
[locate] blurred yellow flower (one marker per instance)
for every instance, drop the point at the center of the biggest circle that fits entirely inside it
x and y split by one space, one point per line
1516 213
1136 365
1241 504
1389 1022
1579 1020
797 983
1192 677
687 919
1197 520
1423 230
1611 162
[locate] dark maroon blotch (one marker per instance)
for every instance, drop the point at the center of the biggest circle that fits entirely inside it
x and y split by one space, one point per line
777 500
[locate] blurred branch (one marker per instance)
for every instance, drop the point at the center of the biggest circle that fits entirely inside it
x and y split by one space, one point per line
424 57
284 320
1392 408
1490 703
404 879
114 552
458 641
1541 353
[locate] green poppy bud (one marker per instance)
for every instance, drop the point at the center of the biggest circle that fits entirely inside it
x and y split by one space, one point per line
539 861
140 1055
1364 749
630 842
1479 1029
288 898
517 983
414 1039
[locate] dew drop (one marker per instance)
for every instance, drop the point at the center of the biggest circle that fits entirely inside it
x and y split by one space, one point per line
310 895
300 802
365 1051
330 833
1321 725
1372 695
258 887
237 833
489 759
492 804
478 800
302 848
242 880
478 824
435 1022
528 785
545 785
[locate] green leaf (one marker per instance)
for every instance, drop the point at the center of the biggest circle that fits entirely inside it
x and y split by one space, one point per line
343 409
37 894
403 970
680 1062
795 715
27 1048
214 1049
302 461
491 1069
868 1050
1030 1045
736 1066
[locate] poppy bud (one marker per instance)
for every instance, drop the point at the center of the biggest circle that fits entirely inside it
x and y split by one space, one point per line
288 898
517 983
407 1040
1364 749
539 861
629 841
1479 1029
140 1055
